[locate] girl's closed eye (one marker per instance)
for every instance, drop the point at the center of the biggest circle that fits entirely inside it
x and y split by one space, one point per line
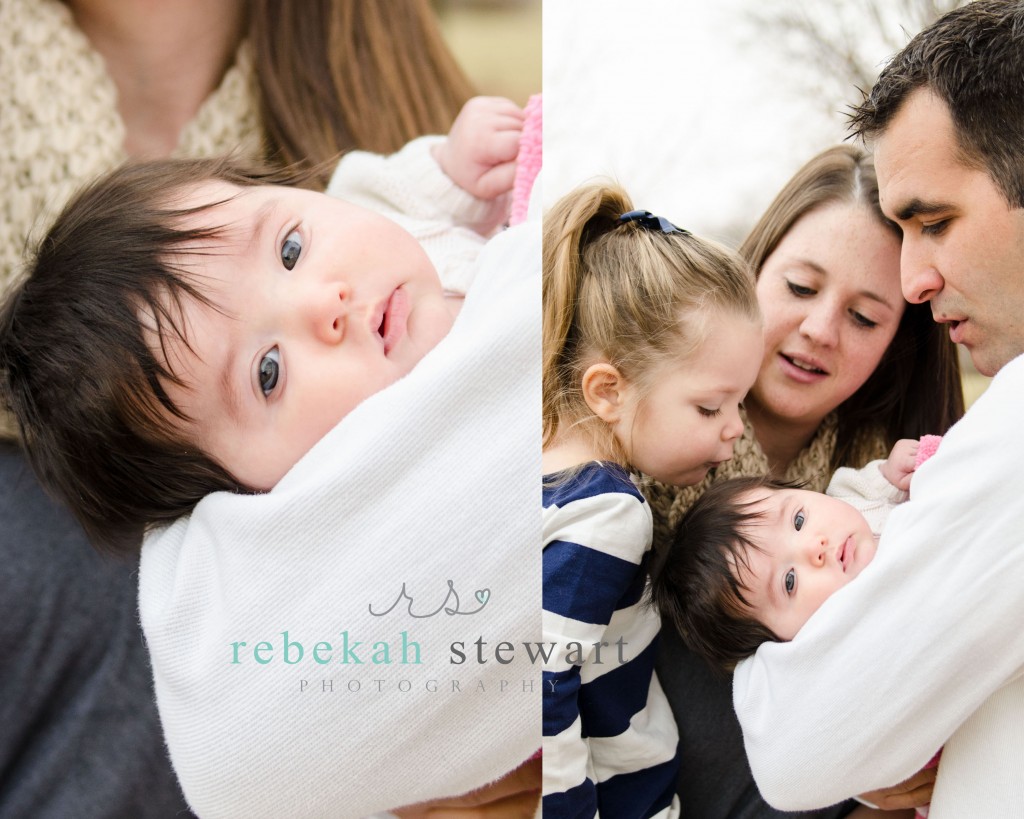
291 249
709 413
269 371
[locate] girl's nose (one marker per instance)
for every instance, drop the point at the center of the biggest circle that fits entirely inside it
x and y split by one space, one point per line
821 325
733 427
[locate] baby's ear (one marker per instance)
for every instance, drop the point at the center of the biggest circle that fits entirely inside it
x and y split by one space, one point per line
605 391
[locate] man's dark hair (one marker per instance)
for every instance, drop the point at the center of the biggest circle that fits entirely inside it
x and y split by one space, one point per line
972 58
695 584
78 367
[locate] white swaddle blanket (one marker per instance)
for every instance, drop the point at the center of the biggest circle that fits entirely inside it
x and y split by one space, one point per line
435 479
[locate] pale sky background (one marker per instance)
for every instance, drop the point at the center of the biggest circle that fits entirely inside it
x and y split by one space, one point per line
698 112
690 106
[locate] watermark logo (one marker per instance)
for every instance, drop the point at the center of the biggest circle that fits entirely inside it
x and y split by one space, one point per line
451 605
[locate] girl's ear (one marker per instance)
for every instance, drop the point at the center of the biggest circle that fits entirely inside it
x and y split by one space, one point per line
605 391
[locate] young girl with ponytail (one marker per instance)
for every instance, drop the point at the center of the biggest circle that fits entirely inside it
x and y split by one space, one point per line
652 337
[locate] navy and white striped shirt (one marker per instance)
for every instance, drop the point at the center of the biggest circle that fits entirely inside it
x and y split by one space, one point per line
610 740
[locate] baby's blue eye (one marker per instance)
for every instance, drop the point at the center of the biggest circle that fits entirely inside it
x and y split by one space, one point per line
790 581
798 521
270 369
291 249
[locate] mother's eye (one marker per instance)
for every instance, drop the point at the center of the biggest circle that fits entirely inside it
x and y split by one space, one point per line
291 249
862 320
799 289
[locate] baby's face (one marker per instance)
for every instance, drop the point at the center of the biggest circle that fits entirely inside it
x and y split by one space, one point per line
317 305
810 546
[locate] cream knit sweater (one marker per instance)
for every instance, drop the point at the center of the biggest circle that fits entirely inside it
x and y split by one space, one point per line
60 125
810 468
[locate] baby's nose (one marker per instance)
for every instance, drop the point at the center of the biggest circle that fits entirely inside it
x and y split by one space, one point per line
327 308
818 550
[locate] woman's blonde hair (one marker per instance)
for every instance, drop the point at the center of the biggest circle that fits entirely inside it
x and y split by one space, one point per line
626 294
915 390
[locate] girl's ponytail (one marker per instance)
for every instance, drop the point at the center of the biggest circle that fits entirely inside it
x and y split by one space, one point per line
569 227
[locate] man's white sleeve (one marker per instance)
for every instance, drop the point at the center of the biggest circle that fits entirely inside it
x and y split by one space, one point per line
893 664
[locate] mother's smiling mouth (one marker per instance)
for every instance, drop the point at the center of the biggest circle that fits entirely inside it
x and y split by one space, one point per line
805 363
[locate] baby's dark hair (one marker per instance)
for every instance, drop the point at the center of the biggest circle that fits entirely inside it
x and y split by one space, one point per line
694 582
79 369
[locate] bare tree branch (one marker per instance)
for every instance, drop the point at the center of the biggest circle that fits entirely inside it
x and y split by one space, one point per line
839 47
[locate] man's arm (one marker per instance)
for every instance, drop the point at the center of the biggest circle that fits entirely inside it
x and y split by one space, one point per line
891 665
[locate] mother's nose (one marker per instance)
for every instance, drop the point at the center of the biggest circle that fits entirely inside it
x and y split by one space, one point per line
821 324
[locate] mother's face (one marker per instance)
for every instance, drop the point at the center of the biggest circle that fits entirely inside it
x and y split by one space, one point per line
831 298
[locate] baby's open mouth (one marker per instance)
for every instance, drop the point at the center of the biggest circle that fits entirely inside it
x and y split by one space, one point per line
393 323
845 552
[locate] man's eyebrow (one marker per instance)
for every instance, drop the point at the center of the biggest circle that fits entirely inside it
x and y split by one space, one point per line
918 207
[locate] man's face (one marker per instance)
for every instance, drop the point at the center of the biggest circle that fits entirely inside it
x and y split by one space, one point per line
963 245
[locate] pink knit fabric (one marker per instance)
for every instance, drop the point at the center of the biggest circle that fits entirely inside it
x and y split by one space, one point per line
926 448
528 161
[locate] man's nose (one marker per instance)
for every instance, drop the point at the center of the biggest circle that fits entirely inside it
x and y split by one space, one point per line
919 278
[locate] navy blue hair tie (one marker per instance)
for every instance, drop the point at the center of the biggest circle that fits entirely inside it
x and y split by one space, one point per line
648 221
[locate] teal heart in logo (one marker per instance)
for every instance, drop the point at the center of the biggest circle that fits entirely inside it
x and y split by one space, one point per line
482 596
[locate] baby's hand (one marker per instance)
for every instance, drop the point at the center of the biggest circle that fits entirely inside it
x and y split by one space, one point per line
898 468
480 153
